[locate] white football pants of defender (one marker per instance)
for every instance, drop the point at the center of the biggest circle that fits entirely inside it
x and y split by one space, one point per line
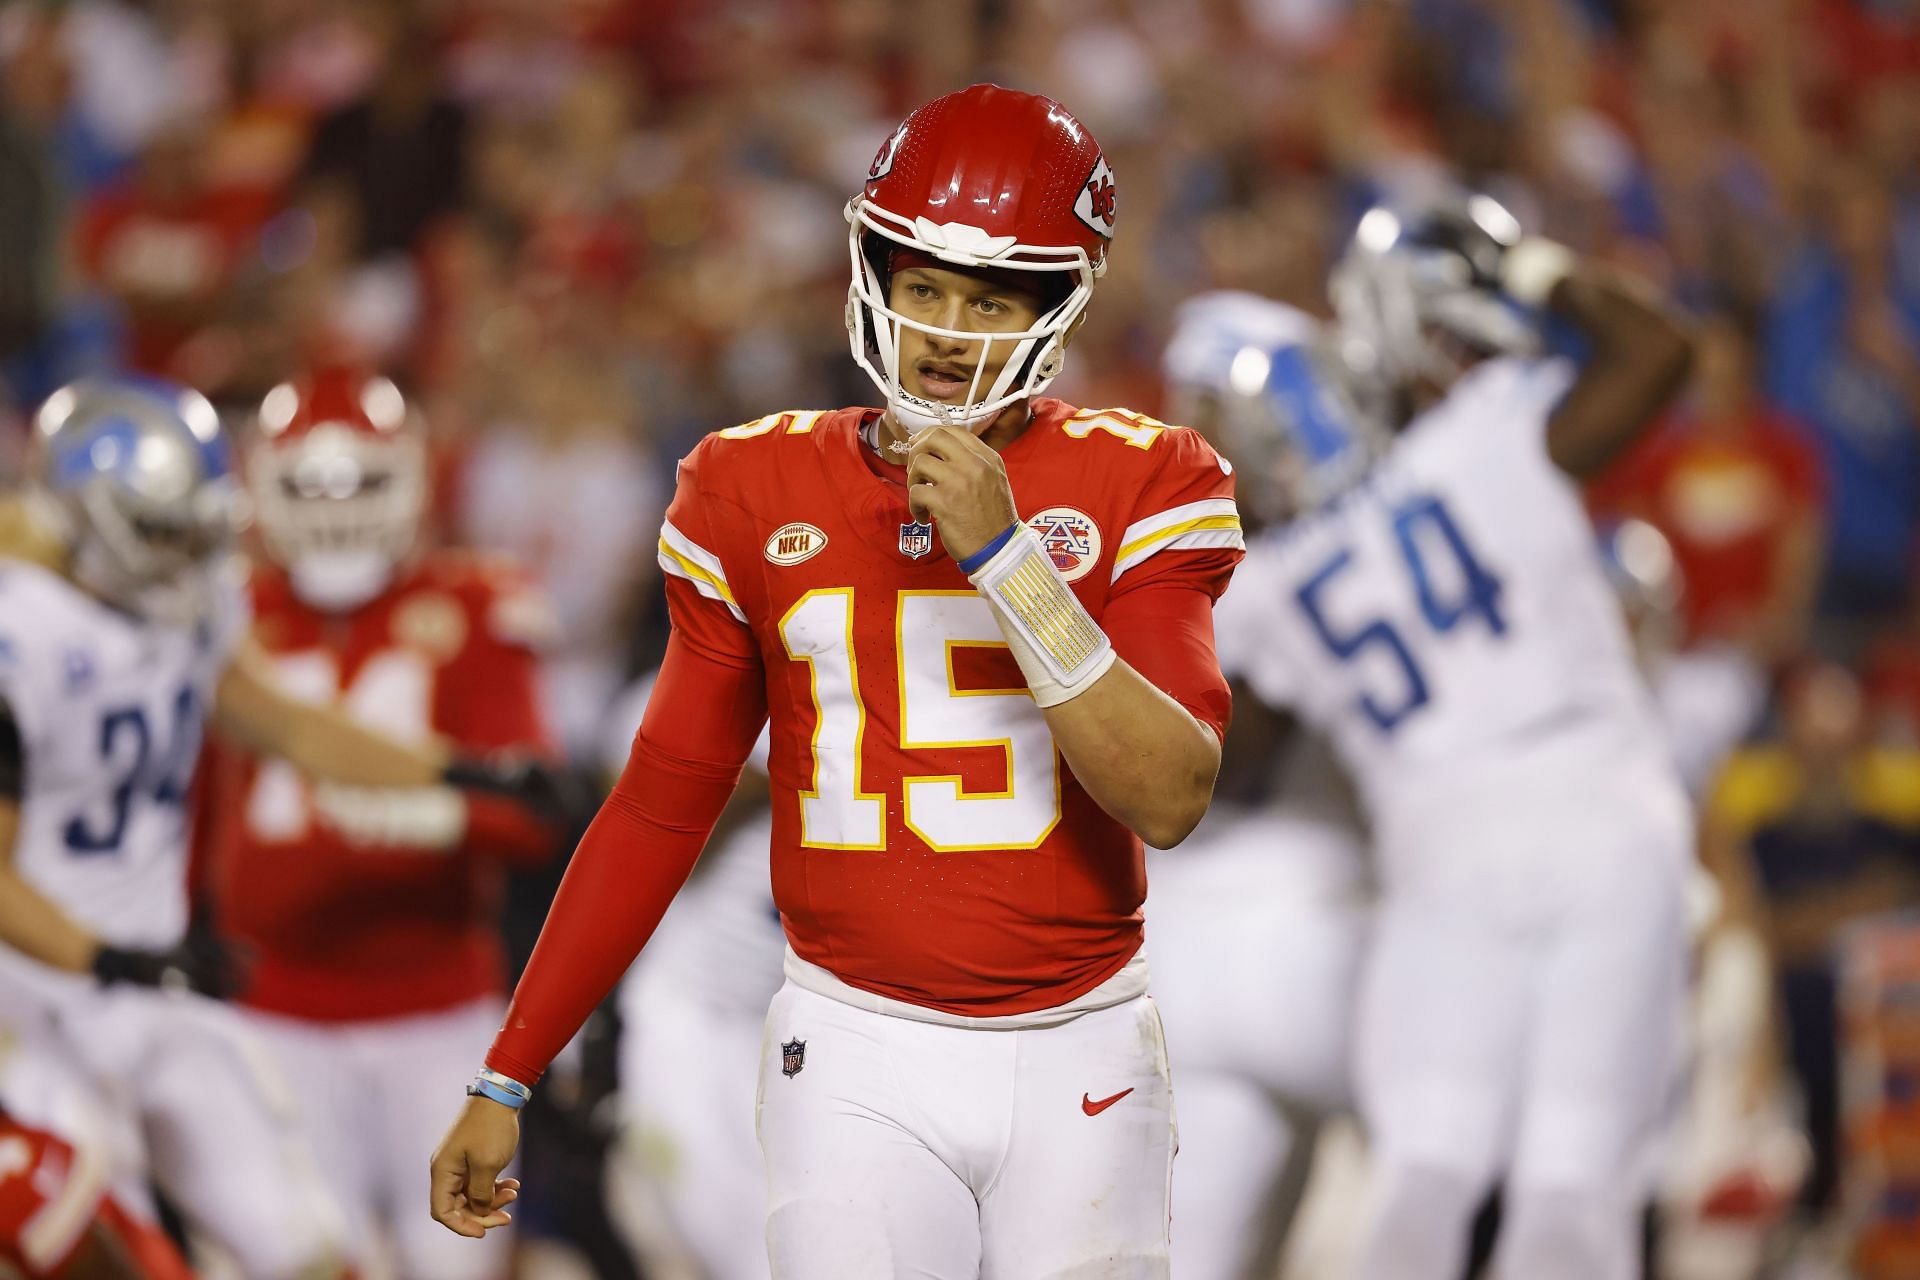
687 1081
1256 929
1523 1022
908 1148
368 1104
222 1135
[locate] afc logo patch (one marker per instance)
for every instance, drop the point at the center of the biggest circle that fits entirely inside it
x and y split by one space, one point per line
916 539
1071 540
793 1057
1098 196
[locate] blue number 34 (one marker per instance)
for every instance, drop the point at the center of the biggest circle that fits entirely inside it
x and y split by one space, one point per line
166 775
1479 598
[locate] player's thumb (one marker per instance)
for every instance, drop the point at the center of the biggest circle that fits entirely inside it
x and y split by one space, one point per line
481 1173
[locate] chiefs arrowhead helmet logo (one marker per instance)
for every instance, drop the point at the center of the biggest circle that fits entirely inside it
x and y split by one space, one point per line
883 160
1095 204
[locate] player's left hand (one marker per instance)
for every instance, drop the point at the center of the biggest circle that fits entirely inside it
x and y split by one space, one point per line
958 481
469 1197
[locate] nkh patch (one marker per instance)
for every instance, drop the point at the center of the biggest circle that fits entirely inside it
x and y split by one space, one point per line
916 539
793 1056
1070 538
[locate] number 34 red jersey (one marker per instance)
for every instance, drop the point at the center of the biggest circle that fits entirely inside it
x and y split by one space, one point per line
929 843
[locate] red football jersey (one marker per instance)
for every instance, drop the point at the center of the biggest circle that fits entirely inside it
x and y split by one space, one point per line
346 930
52 1194
929 843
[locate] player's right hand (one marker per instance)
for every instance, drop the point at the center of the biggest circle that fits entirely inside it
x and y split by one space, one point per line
470 1197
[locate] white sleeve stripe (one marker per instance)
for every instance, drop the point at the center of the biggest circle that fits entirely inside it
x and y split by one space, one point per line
1139 529
692 551
1192 540
703 582
54 1232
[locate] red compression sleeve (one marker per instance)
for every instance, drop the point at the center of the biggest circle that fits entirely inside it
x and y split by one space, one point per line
700 725
1165 632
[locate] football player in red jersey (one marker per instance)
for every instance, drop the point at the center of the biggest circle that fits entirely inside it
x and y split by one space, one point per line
980 624
379 974
59 1220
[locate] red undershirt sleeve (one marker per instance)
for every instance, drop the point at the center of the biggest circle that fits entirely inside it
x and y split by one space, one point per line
1163 628
700 725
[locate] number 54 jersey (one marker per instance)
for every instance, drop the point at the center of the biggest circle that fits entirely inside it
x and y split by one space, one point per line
929 843
1448 623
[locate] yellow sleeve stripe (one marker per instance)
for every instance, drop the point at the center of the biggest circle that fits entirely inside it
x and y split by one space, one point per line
1174 531
1199 532
708 584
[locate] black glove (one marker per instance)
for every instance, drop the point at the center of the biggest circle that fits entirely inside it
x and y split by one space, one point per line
553 793
202 963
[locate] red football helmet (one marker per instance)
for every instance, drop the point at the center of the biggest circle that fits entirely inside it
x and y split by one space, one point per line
338 474
984 178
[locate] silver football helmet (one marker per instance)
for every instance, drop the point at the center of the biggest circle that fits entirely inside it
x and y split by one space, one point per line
1278 393
1421 287
134 475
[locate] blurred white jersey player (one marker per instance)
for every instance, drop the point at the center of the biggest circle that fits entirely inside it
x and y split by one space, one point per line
1258 920
1439 610
121 633
692 1012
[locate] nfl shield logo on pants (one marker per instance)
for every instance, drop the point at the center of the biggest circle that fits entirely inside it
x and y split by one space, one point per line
916 539
793 1056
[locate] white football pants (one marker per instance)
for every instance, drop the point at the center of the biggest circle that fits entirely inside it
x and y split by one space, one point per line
1540 1052
898 1148
687 1084
374 1102
220 1125
1256 929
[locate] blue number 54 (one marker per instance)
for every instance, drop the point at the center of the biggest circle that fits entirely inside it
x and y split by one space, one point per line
1416 523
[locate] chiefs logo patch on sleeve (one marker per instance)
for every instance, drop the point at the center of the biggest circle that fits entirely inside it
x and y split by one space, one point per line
1095 204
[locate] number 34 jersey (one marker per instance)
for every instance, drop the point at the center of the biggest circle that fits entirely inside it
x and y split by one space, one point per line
929 843
110 711
1448 623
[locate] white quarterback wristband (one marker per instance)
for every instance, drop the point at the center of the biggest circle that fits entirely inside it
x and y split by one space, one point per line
1530 269
1060 648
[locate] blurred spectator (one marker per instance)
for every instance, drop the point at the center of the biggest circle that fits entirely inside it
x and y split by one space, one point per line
558 482
27 238
1737 490
1827 822
168 244
398 149
1844 356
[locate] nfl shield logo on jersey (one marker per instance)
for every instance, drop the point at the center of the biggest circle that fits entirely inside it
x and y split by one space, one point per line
793 1056
916 539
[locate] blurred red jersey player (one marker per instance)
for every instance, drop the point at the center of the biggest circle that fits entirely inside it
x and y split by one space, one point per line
979 622
379 971
59 1222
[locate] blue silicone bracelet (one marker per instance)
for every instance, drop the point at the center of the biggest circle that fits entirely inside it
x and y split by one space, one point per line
488 1089
987 552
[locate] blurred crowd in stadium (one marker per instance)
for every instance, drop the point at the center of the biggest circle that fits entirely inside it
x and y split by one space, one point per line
580 235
